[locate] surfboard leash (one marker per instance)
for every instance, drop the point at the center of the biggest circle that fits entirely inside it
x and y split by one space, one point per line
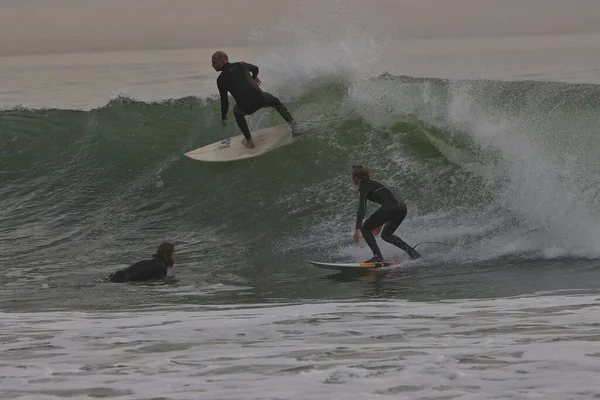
415 246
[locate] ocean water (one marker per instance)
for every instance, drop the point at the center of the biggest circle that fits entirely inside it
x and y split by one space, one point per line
492 142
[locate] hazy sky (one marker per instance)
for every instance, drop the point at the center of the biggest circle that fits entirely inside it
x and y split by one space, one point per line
42 26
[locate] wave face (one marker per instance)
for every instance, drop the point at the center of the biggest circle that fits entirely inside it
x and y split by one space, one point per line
490 168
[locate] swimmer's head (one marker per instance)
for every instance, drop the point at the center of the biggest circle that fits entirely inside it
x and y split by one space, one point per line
219 59
359 173
165 253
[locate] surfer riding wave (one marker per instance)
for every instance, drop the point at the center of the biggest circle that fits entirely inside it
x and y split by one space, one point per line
241 80
391 213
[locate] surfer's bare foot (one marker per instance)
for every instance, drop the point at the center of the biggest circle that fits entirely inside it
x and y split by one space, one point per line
249 143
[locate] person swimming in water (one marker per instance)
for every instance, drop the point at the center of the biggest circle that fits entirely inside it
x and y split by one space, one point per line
391 213
154 268
235 78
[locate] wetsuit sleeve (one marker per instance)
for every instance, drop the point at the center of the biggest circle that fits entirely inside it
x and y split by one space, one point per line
362 207
224 100
253 70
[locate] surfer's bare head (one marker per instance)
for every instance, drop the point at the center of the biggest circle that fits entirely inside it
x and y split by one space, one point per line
219 59
359 173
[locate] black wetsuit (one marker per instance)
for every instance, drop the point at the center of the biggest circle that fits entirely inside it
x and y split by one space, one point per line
141 271
235 78
392 212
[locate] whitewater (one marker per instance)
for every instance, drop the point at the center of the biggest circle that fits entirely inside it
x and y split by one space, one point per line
492 143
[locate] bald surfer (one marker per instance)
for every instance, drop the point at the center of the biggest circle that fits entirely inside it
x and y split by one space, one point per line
391 213
154 268
241 80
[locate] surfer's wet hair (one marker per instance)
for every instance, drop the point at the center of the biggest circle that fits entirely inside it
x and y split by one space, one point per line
165 253
360 171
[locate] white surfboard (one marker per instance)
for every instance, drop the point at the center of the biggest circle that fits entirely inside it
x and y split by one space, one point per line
232 149
355 266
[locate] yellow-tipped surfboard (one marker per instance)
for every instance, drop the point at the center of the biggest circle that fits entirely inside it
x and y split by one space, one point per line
355 266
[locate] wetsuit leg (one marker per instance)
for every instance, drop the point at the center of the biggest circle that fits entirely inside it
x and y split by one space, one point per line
240 118
118 276
376 219
272 101
387 234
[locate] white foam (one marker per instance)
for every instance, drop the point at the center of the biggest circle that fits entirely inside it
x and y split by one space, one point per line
523 347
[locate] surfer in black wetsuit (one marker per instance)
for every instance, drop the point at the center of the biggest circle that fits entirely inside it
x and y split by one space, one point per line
391 213
154 268
235 78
